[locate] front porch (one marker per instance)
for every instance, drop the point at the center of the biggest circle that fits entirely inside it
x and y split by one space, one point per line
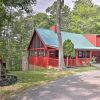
50 58
82 58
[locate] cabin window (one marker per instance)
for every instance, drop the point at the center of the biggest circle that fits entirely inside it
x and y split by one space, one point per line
34 53
38 43
45 53
52 53
56 53
87 55
42 46
84 54
34 42
42 53
38 52
80 54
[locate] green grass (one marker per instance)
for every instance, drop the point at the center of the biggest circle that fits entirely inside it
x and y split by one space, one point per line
37 77
84 69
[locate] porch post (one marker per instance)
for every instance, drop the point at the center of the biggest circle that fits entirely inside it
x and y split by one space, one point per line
48 53
47 58
90 54
76 57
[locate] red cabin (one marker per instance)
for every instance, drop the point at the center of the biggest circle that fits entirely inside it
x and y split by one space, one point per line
43 48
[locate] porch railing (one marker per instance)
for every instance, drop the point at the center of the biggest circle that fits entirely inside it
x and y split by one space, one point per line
71 62
54 62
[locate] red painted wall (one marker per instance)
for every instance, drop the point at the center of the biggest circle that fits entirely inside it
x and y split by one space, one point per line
37 46
98 41
91 38
83 61
39 61
97 55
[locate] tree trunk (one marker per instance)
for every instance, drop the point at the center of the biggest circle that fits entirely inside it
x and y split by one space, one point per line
0 70
58 19
67 61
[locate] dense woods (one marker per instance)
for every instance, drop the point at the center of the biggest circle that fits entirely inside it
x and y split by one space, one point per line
15 30
17 22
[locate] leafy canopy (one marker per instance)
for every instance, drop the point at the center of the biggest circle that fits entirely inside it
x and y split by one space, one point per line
85 18
42 20
65 15
68 48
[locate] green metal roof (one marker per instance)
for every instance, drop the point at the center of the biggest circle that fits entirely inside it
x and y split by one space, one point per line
49 37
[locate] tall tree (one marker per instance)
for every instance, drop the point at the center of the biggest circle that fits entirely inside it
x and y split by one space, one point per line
65 15
85 17
9 38
58 18
42 20
68 48
0 67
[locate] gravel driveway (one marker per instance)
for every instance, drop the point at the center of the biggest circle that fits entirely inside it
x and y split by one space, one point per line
84 86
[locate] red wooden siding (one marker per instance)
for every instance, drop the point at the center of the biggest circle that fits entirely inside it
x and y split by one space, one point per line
36 42
37 52
91 38
83 61
98 41
71 62
38 61
45 61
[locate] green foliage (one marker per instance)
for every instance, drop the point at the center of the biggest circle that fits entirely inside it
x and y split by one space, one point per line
85 18
42 20
15 30
93 60
68 48
23 4
22 30
2 15
65 15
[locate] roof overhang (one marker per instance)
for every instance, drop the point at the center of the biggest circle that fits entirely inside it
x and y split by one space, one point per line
94 49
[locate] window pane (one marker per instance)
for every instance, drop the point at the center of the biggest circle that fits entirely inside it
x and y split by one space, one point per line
56 53
34 53
42 53
38 52
34 41
38 43
42 46
52 53
80 54
45 53
88 54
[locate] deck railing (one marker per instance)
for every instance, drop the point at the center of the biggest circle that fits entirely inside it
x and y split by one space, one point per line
54 62
45 61
71 62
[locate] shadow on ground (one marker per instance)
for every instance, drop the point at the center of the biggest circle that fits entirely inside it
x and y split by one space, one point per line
78 87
